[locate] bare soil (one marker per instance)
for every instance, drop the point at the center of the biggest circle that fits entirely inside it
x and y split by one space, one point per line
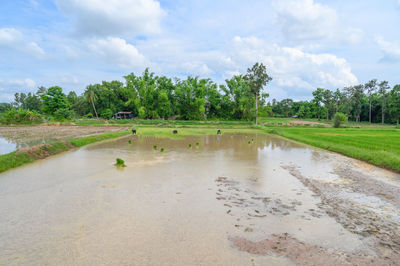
302 122
34 135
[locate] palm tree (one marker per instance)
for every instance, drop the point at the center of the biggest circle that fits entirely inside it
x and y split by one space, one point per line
91 96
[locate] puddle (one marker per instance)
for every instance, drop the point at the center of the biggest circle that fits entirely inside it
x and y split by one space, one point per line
223 201
7 146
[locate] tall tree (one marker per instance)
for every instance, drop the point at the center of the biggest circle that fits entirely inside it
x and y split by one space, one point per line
394 103
327 99
370 88
256 79
318 98
356 94
91 96
383 88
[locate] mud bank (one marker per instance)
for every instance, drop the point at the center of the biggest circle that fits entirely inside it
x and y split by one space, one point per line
364 206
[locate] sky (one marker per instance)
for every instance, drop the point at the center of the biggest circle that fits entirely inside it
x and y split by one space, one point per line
305 44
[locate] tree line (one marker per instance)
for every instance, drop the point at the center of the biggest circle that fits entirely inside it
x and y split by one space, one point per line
149 96
374 102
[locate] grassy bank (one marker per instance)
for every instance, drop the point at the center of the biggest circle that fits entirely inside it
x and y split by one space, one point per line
27 155
378 146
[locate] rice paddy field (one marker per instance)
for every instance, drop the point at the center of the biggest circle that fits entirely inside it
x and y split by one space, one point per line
378 146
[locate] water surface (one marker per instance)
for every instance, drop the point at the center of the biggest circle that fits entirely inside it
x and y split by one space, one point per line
178 207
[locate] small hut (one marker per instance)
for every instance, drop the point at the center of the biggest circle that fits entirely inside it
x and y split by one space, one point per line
123 115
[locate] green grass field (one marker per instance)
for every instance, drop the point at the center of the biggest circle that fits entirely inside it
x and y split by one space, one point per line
378 146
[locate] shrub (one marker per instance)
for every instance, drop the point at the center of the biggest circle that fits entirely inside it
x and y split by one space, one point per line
63 113
107 113
20 116
339 119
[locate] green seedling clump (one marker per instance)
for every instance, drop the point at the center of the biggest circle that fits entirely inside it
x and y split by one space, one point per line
130 141
197 144
120 162
155 147
162 150
248 142
190 146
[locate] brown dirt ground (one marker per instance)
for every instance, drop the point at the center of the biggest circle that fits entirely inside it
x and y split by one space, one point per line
33 135
302 122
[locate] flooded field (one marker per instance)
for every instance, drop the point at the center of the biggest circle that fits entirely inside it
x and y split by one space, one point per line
14 138
234 199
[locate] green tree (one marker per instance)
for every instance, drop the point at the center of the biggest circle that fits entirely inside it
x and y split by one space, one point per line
91 96
318 99
256 79
54 99
370 88
394 103
383 89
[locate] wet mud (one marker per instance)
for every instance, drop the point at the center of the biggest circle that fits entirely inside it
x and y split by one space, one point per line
379 229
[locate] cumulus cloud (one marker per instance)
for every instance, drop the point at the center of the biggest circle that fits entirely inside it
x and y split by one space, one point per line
117 52
114 17
12 38
391 51
292 67
305 19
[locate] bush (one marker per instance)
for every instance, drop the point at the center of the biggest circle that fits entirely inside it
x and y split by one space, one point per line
63 113
107 113
339 119
20 116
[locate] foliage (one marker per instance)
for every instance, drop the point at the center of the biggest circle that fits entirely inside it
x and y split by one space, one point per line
119 162
339 119
20 116
149 96
54 99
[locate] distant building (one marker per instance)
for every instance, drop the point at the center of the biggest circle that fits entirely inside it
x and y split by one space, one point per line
123 115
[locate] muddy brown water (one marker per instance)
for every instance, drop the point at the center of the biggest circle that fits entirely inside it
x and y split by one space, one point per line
222 202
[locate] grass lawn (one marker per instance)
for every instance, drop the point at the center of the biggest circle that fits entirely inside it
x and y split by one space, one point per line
378 146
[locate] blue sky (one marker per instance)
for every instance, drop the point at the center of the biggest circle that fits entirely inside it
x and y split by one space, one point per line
305 44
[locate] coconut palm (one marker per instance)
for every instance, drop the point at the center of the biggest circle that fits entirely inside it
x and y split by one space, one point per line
91 96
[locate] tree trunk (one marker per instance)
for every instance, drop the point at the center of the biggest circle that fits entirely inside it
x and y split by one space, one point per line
94 108
370 111
383 112
256 108
327 114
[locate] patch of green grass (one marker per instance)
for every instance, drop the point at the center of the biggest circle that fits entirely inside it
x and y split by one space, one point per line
11 160
378 146
79 142
119 162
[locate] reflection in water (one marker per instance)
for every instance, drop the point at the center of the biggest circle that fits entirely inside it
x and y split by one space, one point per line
178 207
7 146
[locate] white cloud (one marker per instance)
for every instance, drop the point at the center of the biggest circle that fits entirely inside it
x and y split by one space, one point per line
305 19
118 52
114 17
390 50
13 39
292 67
9 36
